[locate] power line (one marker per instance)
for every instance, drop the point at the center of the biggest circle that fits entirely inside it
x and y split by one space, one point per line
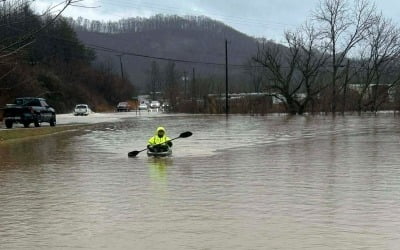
31 34
111 50
128 53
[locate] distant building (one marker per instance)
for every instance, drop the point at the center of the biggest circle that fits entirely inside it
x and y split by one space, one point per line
143 99
276 98
356 87
384 91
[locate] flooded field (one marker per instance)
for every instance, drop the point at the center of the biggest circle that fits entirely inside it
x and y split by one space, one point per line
243 182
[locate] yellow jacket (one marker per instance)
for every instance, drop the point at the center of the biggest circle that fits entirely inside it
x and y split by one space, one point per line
159 140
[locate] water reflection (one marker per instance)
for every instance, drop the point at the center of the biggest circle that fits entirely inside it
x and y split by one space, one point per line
33 152
158 172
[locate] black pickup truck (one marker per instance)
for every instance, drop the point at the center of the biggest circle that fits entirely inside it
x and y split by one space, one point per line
27 110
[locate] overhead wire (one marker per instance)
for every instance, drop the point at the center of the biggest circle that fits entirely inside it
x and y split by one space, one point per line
111 50
128 53
32 33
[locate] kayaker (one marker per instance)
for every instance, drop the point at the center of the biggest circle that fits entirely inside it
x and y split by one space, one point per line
160 141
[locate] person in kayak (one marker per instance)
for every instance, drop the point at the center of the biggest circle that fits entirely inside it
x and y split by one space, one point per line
160 142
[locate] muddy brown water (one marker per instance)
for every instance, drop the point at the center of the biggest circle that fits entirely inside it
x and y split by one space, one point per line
269 182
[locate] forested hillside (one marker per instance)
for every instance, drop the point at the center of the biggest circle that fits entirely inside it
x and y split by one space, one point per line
41 56
197 43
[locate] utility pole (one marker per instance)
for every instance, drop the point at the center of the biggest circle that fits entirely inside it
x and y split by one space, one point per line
120 62
226 79
193 85
185 80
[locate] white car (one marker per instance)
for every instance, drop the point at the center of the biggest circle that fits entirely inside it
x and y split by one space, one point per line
123 107
82 109
143 106
155 104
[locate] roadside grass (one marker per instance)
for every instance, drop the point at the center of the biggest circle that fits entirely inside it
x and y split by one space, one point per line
25 133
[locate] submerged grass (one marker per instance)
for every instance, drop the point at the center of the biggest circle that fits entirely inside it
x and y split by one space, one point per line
25 133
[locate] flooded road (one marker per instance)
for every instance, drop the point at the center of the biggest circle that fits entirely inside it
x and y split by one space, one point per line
271 182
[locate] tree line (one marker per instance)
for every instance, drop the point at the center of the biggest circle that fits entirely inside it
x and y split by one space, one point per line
140 24
344 58
41 56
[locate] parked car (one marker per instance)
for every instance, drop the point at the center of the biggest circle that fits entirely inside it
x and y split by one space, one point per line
123 107
143 106
155 105
27 110
82 109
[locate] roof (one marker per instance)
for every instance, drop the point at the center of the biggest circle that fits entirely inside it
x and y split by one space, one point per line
38 98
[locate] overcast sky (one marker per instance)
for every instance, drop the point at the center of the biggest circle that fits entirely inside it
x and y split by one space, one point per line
259 18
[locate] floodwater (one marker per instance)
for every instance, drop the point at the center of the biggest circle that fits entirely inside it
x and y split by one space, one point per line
246 182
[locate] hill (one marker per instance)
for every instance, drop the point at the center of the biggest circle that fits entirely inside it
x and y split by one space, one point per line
196 40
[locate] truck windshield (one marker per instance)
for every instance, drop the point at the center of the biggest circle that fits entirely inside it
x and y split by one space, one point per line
27 101
21 101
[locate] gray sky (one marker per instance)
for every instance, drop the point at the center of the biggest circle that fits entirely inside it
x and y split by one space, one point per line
259 18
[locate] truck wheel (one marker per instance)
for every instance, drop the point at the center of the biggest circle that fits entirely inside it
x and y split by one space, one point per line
36 123
26 124
53 122
9 124
37 120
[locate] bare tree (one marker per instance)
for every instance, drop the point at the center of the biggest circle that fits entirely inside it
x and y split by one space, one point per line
28 37
280 64
378 61
311 61
343 25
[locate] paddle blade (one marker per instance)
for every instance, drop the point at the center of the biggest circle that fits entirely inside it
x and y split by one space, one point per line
185 134
133 153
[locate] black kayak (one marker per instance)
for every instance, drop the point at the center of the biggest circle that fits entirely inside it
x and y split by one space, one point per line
160 153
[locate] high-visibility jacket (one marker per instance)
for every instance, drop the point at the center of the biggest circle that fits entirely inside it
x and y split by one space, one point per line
159 140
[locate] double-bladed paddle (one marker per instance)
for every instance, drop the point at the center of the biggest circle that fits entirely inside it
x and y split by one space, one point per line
182 135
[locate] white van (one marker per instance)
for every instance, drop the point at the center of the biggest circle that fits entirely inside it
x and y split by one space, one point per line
82 109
